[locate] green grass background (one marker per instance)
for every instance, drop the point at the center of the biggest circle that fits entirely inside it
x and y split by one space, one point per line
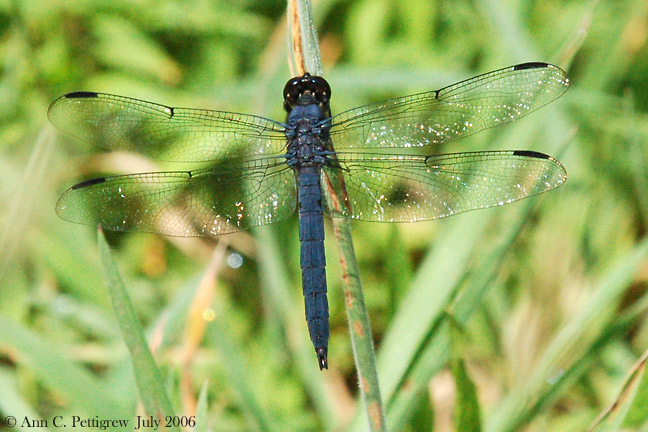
525 317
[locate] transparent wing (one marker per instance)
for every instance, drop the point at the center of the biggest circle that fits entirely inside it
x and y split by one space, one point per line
396 188
162 132
456 111
211 201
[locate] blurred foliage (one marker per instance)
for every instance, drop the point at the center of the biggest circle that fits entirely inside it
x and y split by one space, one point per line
549 294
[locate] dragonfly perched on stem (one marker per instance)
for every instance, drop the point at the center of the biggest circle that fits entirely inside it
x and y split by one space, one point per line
259 170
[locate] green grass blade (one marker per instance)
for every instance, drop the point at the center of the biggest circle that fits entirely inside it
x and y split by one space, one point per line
148 377
398 267
201 410
467 413
360 329
305 52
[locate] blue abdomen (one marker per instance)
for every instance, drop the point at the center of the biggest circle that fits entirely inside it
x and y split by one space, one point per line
313 260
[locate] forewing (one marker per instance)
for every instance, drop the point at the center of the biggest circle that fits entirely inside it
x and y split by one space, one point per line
396 188
211 201
162 132
456 111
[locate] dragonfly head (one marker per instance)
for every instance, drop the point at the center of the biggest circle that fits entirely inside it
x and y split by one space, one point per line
307 90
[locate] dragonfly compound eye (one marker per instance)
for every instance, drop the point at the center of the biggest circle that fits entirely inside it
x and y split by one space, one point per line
321 89
292 91
315 85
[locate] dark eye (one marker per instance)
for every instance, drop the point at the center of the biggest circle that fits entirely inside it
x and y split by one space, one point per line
297 86
291 90
321 89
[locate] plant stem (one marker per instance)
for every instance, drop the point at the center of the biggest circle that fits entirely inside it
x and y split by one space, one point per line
306 57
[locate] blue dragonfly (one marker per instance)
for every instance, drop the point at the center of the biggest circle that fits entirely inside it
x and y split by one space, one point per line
378 163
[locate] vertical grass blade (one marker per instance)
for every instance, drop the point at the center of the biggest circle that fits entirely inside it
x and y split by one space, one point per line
467 413
303 43
360 329
201 410
148 377
307 57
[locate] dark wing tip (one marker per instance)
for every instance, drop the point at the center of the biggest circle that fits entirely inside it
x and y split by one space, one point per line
531 153
63 201
87 183
74 95
322 358
531 65
81 95
538 155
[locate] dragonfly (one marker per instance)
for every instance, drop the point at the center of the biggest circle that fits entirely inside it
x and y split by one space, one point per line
379 162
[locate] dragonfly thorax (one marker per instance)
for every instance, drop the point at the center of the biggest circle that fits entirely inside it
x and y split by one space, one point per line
307 109
306 143
307 131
